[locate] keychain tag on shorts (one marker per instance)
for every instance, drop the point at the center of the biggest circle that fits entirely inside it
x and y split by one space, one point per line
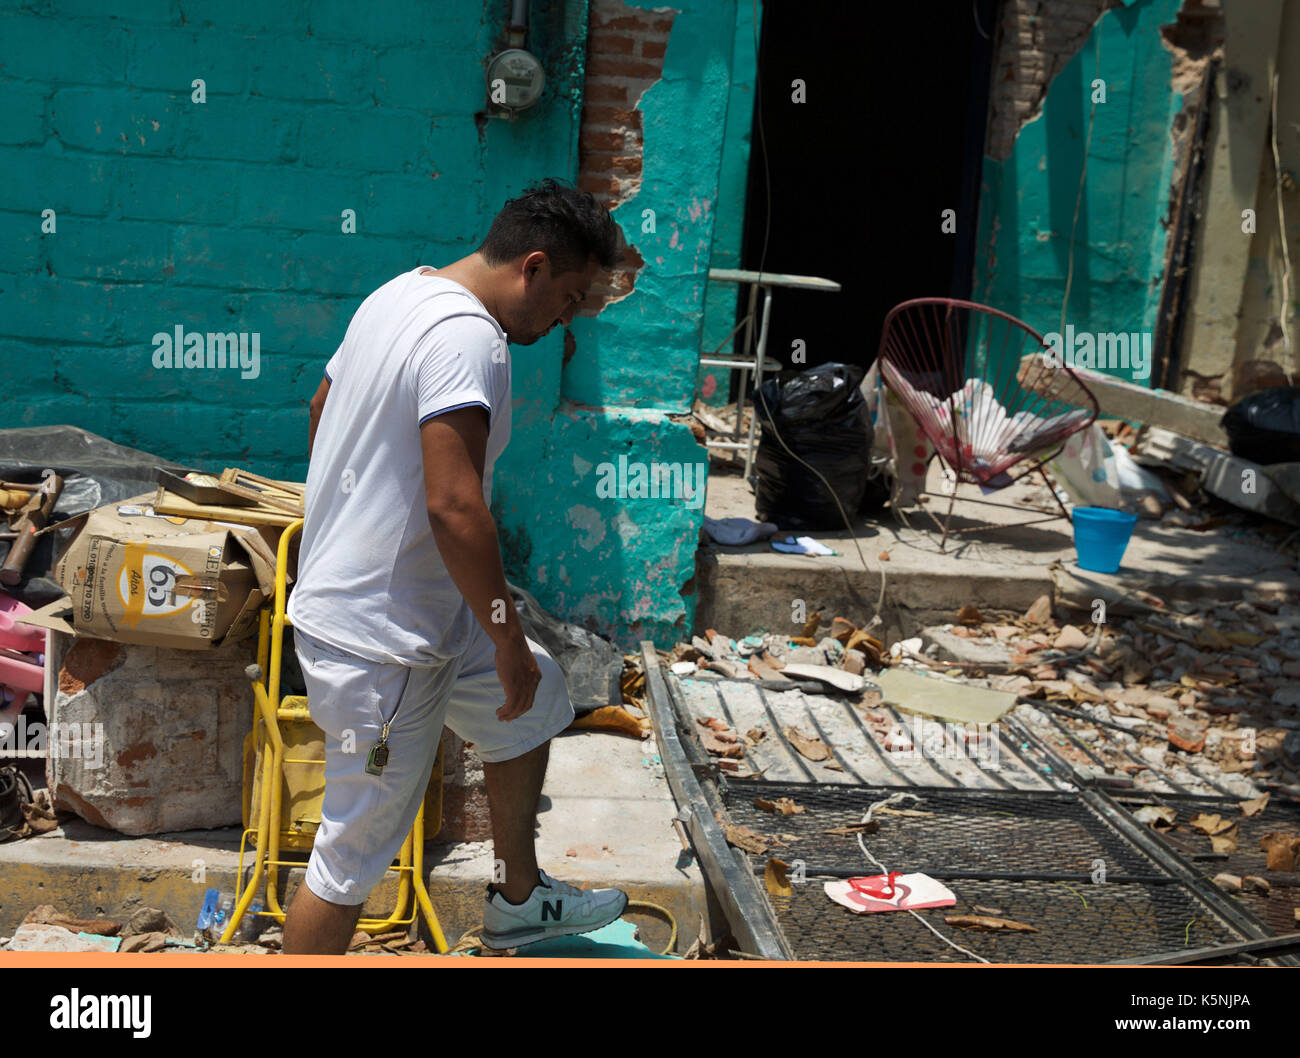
378 756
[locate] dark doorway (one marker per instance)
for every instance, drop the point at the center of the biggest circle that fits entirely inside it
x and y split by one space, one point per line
890 135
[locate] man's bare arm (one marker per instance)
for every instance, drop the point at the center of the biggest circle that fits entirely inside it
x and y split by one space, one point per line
315 408
454 447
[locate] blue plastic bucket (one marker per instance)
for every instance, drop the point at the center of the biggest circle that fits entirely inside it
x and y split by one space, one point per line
1100 537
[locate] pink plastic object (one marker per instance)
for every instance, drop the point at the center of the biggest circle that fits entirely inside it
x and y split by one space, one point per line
17 636
24 675
880 886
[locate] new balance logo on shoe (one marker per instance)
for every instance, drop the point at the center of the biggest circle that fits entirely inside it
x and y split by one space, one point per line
552 909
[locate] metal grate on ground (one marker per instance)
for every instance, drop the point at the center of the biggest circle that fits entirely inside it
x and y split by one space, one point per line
1025 856
1275 909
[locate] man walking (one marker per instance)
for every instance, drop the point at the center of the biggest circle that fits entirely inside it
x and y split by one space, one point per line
402 618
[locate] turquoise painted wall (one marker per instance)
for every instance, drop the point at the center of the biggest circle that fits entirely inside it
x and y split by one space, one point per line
226 216
624 564
1027 202
729 222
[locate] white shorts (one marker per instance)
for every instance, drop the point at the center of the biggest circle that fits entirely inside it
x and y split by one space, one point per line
365 818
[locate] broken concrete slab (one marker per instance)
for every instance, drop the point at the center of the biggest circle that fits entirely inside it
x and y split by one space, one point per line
1232 479
44 937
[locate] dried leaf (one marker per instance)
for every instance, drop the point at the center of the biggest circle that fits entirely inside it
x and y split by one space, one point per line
988 923
784 805
1283 850
1226 842
775 879
612 718
990 910
1210 824
756 734
710 741
812 748
969 615
1253 808
749 840
1157 816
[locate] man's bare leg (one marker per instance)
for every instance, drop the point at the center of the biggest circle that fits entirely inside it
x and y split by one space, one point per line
514 788
316 927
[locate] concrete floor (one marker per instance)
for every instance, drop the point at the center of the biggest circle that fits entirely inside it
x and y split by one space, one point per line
600 802
995 564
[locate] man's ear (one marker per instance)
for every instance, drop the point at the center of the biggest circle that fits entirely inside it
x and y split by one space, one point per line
533 265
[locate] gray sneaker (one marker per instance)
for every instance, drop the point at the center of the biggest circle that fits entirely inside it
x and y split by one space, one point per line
555 909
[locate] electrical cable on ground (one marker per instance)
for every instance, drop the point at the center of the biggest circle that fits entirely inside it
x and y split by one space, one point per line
645 905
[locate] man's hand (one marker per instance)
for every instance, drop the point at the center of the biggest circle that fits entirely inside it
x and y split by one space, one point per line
519 675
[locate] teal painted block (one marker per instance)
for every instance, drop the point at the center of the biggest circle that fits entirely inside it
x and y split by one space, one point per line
438 79
301 68
96 417
395 22
23 106
157 12
296 199
234 258
246 129
22 246
46 307
62 50
300 324
115 121
177 191
48 179
170 430
372 139
171 59
110 250
420 207
350 265
254 17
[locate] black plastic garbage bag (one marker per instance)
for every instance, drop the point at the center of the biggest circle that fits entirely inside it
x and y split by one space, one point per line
822 418
1264 426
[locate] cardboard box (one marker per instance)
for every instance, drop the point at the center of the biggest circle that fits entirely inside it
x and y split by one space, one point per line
136 577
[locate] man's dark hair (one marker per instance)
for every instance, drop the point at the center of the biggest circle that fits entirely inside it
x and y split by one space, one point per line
568 225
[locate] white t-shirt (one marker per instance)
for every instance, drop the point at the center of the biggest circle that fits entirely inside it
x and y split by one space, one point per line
370 578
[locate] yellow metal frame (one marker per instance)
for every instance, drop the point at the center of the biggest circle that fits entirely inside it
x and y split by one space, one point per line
266 742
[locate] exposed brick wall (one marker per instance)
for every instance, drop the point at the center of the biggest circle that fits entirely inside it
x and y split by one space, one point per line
1037 38
625 54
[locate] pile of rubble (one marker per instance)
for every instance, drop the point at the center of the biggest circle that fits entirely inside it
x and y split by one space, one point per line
836 662
1212 686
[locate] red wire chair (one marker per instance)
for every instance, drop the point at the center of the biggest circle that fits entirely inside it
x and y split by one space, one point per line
985 388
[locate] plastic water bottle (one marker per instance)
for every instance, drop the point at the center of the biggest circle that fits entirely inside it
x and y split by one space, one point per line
209 908
221 917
